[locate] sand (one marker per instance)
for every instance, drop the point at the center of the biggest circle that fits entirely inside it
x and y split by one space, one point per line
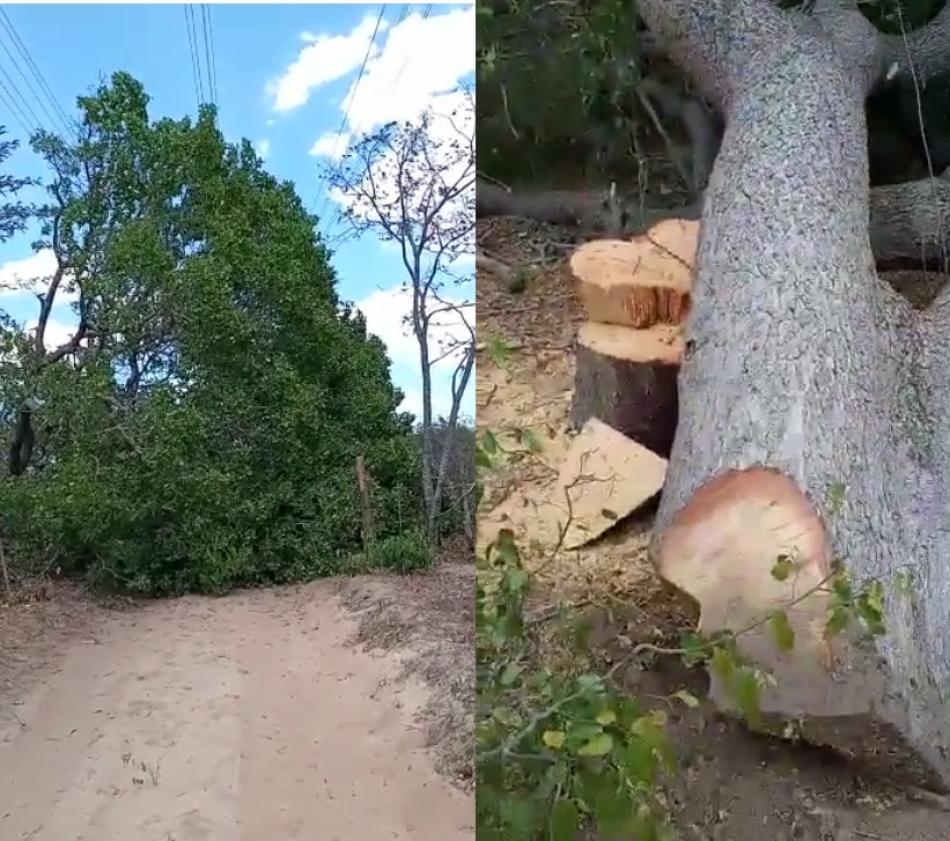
245 718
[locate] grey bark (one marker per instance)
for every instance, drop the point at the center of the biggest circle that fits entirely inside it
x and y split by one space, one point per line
587 209
909 222
802 360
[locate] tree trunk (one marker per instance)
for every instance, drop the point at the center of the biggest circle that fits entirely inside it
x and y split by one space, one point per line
627 379
814 403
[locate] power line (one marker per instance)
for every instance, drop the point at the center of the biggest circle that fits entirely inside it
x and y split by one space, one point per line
21 101
34 68
195 62
213 65
346 113
405 61
403 14
23 75
204 31
13 108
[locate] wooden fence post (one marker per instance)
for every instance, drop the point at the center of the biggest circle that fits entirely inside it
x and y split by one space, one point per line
369 528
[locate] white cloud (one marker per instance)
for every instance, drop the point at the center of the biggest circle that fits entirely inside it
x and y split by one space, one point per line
386 311
56 333
324 59
411 401
32 274
441 399
422 58
262 147
330 145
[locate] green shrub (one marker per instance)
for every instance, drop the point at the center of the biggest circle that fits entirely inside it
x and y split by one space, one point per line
402 553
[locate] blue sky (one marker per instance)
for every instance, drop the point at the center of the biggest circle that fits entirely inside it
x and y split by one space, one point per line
284 77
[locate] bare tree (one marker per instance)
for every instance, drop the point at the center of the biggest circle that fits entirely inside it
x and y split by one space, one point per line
413 183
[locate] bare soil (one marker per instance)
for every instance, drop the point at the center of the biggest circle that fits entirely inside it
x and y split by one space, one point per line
253 716
732 785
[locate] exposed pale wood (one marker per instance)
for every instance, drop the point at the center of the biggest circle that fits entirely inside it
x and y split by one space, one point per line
606 477
642 282
627 379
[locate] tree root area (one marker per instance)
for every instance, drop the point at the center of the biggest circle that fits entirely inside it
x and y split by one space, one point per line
731 785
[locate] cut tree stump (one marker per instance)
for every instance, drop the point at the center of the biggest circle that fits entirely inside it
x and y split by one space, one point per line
627 378
639 283
605 476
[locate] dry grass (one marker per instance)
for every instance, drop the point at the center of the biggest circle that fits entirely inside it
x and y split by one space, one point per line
429 619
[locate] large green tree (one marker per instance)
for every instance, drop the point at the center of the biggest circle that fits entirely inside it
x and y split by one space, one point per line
200 426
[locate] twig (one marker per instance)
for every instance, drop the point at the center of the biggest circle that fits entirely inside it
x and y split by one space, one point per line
648 646
490 264
674 155
511 125
6 573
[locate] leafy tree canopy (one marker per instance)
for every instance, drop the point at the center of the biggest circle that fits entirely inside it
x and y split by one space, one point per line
199 430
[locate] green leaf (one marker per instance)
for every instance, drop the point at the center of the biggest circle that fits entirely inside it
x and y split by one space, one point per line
598 746
695 649
650 724
687 698
499 351
723 664
529 439
748 694
841 588
782 631
564 822
783 568
836 495
838 619
510 673
553 739
606 717
506 548
489 442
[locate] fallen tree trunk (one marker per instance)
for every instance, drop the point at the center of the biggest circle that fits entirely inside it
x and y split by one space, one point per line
909 223
589 209
814 402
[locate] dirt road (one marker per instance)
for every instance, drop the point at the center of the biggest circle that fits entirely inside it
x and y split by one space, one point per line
245 718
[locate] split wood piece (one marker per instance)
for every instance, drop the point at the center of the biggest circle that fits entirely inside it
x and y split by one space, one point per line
639 283
604 477
627 379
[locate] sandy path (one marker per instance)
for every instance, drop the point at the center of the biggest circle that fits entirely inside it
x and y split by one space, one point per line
247 718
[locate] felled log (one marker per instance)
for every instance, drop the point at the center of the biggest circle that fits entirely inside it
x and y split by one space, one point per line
814 417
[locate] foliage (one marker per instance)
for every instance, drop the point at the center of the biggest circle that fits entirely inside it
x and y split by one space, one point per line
561 748
555 750
557 86
13 214
554 79
200 429
402 553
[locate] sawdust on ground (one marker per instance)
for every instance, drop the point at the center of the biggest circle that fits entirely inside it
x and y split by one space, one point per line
240 718
732 785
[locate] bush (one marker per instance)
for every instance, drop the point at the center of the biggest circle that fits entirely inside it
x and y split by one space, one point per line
402 553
